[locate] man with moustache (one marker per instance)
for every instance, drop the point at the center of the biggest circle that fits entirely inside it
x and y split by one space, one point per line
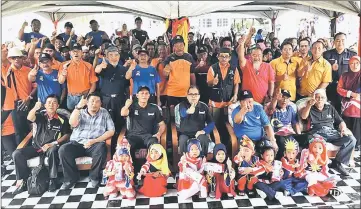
260 76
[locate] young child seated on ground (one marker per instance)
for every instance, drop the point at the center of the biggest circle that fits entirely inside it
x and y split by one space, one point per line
269 174
245 162
120 173
156 172
291 167
191 167
221 181
320 182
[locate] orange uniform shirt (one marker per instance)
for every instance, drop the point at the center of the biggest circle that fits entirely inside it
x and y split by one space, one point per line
163 79
7 128
210 77
80 77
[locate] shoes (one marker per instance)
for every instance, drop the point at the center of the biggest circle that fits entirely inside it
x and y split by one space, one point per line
113 195
3 170
229 194
241 193
279 195
261 193
22 187
212 194
95 183
52 185
339 168
67 185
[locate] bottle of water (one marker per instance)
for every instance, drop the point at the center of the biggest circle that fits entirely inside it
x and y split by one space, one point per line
105 178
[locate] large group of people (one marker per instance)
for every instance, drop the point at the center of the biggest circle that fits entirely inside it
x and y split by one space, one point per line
285 101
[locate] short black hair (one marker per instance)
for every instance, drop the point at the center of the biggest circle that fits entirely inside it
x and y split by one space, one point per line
227 38
34 21
191 33
286 43
95 94
266 51
150 44
323 45
339 34
138 19
193 87
304 39
259 41
265 149
54 96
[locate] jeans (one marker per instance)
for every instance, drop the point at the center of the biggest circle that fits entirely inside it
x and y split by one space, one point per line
72 101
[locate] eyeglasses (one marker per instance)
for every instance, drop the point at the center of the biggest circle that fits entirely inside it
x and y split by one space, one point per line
16 57
193 95
224 57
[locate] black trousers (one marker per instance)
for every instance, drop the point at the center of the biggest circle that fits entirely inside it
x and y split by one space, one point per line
71 150
114 105
9 145
21 156
21 124
333 96
302 139
354 125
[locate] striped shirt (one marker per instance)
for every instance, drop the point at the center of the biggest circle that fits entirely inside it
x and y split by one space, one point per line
92 127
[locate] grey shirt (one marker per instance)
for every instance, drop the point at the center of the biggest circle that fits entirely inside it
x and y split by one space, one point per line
92 127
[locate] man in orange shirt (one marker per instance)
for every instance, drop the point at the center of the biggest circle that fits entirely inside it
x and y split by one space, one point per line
159 66
179 68
19 92
80 77
259 76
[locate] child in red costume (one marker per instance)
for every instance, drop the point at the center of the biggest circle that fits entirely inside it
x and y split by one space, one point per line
120 173
191 167
156 172
320 182
221 182
246 162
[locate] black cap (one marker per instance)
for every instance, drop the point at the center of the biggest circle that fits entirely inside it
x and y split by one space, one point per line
106 41
76 46
69 25
245 94
225 51
93 21
59 37
202 49
142 50
92 47
44 57
63 48
285 92
143 88
178 39
50 46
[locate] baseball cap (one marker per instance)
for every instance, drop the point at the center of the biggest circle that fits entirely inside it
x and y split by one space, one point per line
143 88
142 50
50 46
225 50
202 49
137 46
285 92
76 46
44 57
354 58
178 39
62 48
68 24
93 21
245 94
112 49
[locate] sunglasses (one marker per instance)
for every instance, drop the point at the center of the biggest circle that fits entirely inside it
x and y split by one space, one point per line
16 57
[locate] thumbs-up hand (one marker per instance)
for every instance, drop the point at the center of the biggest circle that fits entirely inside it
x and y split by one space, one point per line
312 101
25 24
54 33
104 64
201 63
72 32
215 80
191 109
34 71
335 66
37 105
129 102
82 102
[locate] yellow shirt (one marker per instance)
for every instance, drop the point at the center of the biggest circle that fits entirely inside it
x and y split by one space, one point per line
281 67
320 72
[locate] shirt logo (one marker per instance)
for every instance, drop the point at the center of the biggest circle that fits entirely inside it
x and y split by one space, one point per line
55 79
138 73
136 112
150 114
151 75
328 116
258 117
32 36
41 78
202 112
245 119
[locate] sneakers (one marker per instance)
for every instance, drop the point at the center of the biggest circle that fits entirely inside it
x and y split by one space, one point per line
52 185
212 194
339 168
261 193
67 185
21 188
95 183
279 195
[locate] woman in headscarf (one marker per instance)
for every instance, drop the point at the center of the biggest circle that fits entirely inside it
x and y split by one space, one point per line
221 182
349 89
156 172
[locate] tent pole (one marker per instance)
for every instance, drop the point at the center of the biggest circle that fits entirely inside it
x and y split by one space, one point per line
333 24
359 35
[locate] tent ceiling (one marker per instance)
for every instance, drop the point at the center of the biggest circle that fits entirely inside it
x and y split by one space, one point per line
174 9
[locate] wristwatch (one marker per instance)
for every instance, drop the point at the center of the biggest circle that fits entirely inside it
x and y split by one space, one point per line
76 107
55 143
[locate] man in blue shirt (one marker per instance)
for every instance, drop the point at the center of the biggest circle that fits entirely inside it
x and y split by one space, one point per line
47 79
66 35
145 75
96 36
35 27
251 120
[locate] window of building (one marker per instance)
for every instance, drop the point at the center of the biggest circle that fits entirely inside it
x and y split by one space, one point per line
209 23
225 22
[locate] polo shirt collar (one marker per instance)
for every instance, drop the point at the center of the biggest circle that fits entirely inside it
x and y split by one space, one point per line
137 105
320 59
55 116
283 61
91 115
325 107
226 66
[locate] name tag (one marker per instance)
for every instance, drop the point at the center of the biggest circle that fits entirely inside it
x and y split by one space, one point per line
204 112
150 114
152 75
55 79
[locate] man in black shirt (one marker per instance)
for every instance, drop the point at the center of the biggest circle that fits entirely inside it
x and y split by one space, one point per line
192 46
138 33
144 123
338 58
51 131
324 118
194 121
113 88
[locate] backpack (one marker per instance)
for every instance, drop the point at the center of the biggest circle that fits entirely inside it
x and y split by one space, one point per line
38 181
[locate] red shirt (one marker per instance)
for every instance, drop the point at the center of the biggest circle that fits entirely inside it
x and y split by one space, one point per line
257 84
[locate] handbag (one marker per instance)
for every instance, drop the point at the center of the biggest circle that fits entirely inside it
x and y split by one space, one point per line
38 181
